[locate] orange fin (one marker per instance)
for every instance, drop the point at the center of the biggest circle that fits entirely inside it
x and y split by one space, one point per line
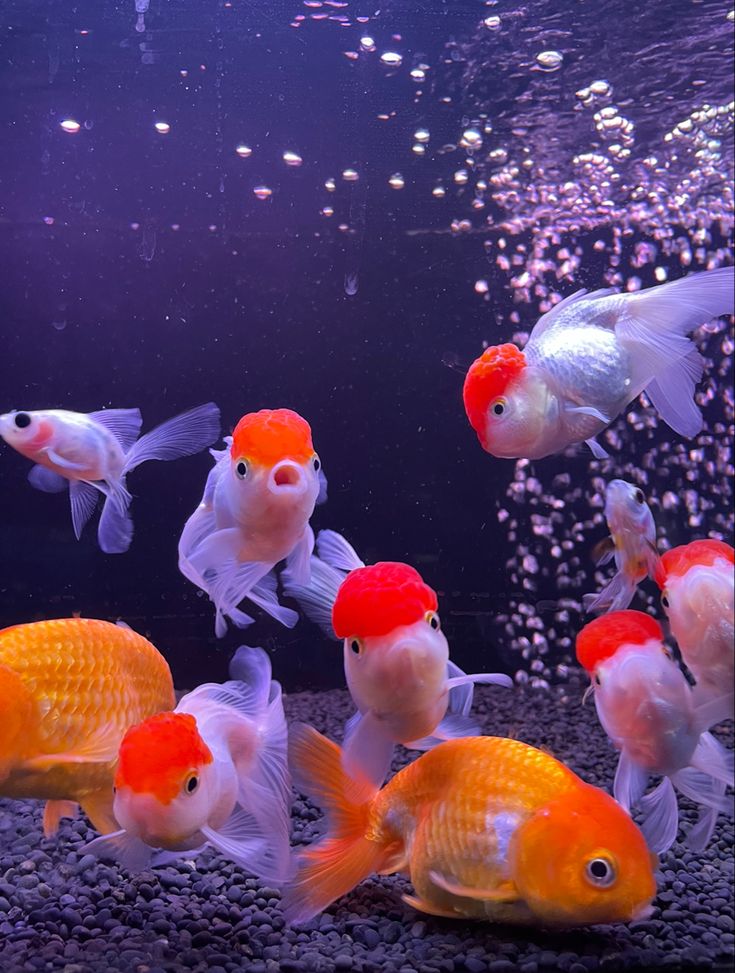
98 808
433 910
101 748
505 892
333 866
54 812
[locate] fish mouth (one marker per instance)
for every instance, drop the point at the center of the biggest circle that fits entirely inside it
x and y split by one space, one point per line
286 477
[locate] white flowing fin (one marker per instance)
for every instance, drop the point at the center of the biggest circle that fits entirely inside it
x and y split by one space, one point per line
452 727
654 327
615 596
264 595
630 782
84 499
322 496
546 320
661 817
239 619
709 711
317 598
115 529
120 846
124 424
589 410
489 678
197 529
460 696
367 750
672 394
699 834
299 560
183 435
66 464
598 451
46 480
334 550
711 758
703 789
244 840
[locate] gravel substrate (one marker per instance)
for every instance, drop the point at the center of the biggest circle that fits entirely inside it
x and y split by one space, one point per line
61 910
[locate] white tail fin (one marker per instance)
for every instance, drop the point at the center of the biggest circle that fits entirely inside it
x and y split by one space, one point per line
337 552
183 435
317 598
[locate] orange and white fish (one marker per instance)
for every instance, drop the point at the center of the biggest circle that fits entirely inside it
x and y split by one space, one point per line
485 827
587 359
92 454
396 657
255 512
697 583
69 689
632 543
648 710
215 771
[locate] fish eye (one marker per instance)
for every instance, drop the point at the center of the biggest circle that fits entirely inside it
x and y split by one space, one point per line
433 619
316 463
22 420
191 783
597 680
639 496
498 407
600 872
241 469
355 646
665 600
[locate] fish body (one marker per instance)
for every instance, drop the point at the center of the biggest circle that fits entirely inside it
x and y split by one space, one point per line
485 827
396 657
648 710
92 454
697 591
255 512
633 539
587 359
212 772
70 688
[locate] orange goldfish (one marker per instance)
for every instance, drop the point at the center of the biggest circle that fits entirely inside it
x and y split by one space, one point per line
214 771
587 359
255 512
697 588
648 710
70 688
93 453
396 656
485 827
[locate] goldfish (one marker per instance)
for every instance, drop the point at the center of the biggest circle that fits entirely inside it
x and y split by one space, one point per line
632 543
93 453
214 771
396 657
696 583
255 512
70 688
587 359
485 827
647 708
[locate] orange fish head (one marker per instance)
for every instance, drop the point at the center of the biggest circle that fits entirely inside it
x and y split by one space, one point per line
509 404
17 722
164 780
272 453
581 860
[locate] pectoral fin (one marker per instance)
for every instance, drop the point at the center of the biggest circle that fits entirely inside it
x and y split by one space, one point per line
120 846
59 460
98 808
505 892
423 906
54 812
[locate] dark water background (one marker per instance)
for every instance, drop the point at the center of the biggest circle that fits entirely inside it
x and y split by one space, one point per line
245 304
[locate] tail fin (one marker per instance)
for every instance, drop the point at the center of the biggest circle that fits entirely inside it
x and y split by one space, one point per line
337 552
655 328
615 596
335 865
115 528
183 435
318 596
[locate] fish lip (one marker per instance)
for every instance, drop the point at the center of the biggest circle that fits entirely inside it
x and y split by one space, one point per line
286 477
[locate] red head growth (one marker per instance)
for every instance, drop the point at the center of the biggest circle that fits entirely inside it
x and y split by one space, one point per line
488 378
678 560
601 639
272 435
379 598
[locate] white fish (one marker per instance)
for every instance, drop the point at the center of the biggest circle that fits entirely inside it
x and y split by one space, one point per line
93 453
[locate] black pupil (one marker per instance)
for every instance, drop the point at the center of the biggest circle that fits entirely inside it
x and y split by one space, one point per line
639 496
317 464
22 419
434 622
498 409
191 784
665 602
599 868
355 646
242 469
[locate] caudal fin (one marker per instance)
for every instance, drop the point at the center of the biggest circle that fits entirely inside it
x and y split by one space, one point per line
335 865
317 597
183 435
655 329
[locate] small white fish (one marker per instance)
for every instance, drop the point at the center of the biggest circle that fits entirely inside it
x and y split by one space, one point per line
93 453
214 771
632 543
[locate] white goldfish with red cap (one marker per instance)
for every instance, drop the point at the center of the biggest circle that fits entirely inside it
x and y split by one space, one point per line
587 359
255 512
697 582
396 657
214 771
648 710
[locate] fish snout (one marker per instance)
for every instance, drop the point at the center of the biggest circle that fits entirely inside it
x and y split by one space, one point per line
287 477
